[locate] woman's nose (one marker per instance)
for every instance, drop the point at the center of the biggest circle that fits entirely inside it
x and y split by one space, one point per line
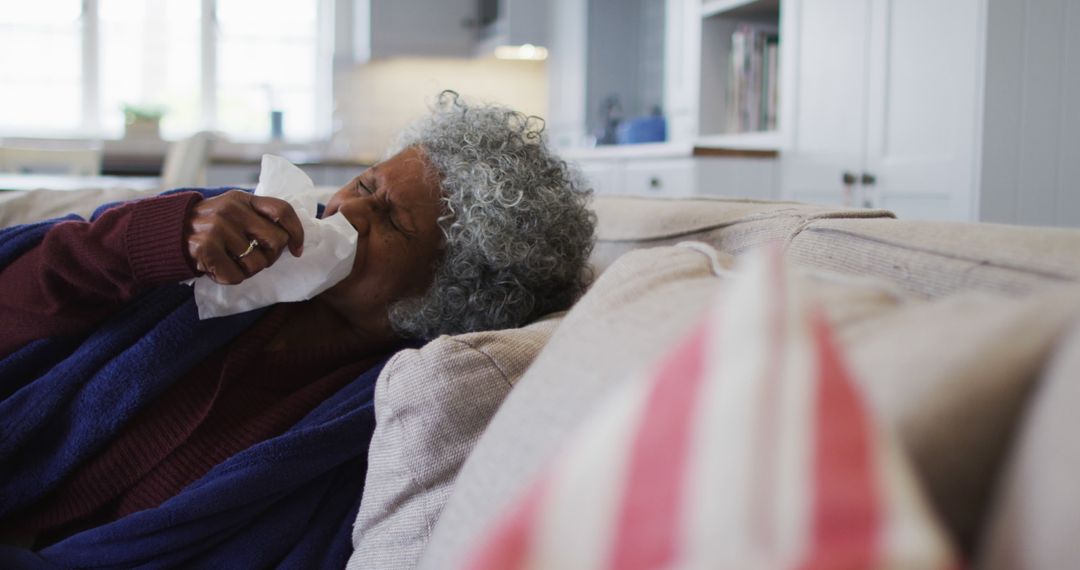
358 210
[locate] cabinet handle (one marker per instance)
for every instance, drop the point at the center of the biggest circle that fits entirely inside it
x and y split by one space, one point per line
654 183
868 179
848 178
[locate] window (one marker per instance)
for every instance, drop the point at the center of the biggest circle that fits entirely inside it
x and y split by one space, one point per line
266 61
41 70
221 65
149 57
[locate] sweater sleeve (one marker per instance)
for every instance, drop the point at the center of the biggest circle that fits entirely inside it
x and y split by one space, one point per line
82 272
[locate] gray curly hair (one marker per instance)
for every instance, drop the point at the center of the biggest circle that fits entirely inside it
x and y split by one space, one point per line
517 226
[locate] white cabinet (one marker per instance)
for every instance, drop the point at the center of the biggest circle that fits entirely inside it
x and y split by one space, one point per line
647 52
511 23
923 89
959 110
567 73
605 176
672 177
885 105
391 28
606 59
682 65
641 177
672 171
828 125
374 29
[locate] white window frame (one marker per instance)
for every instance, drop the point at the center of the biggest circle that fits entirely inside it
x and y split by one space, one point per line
208 33
91 68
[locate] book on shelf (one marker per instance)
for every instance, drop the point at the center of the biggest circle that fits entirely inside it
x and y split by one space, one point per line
753 75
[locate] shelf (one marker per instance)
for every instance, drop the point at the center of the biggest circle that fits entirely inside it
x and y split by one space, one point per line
740 8
762 141
740 62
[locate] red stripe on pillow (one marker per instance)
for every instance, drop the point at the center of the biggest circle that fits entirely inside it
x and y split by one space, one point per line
846 511
648 527
511 543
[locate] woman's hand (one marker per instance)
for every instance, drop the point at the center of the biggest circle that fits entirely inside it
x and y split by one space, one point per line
236 235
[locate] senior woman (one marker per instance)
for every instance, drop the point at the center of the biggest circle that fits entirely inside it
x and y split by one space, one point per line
131 433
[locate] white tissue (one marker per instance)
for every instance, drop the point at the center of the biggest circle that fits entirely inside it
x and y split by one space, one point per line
329 250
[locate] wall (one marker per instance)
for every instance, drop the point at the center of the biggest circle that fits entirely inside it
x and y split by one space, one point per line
1031 158
376 100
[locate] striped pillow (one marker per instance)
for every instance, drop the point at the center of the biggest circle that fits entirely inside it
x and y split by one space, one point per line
747 446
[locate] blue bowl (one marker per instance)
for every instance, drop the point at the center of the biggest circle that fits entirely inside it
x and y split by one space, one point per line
642 130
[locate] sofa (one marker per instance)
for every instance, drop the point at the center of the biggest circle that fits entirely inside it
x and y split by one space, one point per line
962 340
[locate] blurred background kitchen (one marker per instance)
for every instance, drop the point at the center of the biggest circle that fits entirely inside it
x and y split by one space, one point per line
957 110
325 83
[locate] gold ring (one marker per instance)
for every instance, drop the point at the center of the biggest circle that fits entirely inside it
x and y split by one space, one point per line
251 247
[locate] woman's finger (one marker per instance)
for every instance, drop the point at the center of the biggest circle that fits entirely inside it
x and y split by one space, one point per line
272 238
282 213
220 256
253 258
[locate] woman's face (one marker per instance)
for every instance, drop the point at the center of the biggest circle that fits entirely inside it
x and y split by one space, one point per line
394 206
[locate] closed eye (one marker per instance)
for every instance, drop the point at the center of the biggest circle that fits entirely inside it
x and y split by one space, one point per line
387 208
360 184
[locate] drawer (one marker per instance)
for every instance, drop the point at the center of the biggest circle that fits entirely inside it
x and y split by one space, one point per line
605 176
738 177
659 177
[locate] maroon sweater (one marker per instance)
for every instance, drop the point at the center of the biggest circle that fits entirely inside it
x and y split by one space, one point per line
82 272
240 395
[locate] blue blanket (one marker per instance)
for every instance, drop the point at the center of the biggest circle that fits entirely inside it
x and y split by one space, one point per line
289 501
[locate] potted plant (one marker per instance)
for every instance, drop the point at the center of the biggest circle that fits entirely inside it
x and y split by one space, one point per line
142 121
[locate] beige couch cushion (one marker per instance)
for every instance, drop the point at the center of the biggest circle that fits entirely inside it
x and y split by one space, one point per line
431 404
929 259
933 259
730 225
951 375
1037 512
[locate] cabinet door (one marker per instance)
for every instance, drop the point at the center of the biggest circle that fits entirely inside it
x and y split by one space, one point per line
922 116
829 126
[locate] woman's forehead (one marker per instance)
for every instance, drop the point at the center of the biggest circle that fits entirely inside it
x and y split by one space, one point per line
408 179
408 157
410 164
